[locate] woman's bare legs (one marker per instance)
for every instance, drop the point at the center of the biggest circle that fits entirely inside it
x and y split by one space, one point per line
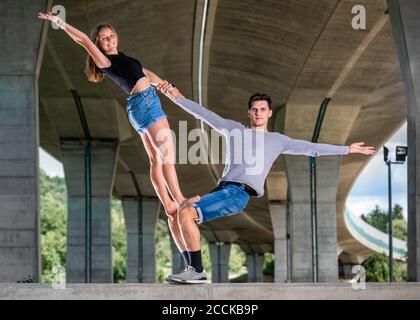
160 137
156 175
176 232
159 182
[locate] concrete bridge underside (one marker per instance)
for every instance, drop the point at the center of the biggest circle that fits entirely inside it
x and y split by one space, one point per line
300 52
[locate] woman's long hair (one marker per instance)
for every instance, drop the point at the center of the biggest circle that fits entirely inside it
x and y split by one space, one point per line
93 73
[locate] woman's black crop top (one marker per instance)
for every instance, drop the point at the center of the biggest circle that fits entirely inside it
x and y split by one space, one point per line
124 71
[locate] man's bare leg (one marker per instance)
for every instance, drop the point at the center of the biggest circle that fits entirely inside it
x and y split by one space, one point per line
173 222
187 217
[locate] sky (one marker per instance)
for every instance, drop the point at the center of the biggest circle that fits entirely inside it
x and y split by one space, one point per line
370 188
51 166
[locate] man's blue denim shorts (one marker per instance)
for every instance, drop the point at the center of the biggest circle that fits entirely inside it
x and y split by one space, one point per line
225 200
144 109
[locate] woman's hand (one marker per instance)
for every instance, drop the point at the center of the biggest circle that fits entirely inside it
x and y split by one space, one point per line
80 38
162 83
169 90
357 147
50 17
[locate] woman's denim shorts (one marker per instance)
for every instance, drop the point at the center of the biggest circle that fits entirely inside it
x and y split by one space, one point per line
144 109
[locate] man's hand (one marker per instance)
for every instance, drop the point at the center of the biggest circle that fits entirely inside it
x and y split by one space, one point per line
170 91
358 148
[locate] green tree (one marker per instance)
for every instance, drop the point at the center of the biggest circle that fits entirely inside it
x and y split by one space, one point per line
399 229
53 196
377 269
237 261
163 251
269 264
119 241
378 218
377 265
397 212
53 224
205 252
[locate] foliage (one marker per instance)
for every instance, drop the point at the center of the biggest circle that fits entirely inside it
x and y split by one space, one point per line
399 229
237 261
269 264
378 218
53 196
53 224
377 269
119 241
377 265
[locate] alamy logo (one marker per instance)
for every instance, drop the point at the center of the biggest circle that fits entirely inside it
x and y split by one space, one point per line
59 281
359 20
359 281
60 12
244 147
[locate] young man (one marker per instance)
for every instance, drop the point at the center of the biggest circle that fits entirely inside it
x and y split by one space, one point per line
240 179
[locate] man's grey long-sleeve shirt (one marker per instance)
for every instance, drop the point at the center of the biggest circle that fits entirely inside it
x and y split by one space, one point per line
251 153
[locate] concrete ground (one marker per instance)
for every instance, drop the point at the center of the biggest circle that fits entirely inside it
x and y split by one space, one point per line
246 291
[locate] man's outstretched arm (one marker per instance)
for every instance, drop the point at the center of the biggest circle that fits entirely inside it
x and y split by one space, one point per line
212 119
302 147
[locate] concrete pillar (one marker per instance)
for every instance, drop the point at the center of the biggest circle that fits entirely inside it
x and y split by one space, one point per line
279 223
405 23
219 254
141 216
177 260
255 265
23 38
298 175
104 156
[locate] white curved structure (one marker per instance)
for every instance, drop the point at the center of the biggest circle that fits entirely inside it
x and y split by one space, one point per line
373 238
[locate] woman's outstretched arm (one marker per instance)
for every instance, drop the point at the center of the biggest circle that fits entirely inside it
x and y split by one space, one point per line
80 38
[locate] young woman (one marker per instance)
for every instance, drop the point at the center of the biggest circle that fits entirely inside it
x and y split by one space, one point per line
144 108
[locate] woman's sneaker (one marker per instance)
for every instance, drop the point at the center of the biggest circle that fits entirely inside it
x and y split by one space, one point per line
188 275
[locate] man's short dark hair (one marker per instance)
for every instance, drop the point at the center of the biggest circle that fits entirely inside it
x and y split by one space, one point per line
259 97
